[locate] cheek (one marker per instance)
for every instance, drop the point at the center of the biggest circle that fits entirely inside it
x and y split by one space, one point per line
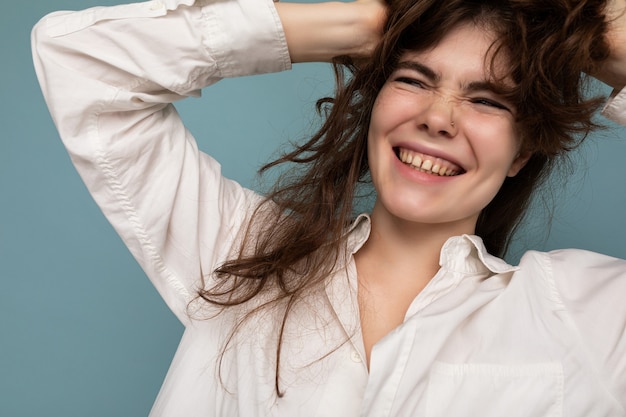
380 125
371 142
391 108
380 111
494 142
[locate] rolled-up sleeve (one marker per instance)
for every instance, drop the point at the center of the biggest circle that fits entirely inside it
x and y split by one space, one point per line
109 76
615 108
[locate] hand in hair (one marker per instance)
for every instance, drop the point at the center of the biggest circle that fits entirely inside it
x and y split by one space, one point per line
321 31
613 70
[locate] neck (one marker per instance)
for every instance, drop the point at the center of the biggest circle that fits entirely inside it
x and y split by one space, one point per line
408 250
393 267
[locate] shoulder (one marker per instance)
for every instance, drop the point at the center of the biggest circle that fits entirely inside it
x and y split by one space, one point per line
588 290
570 268
591 287
577 273
578 279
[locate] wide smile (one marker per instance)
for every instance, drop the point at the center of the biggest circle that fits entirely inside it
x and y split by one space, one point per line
427 163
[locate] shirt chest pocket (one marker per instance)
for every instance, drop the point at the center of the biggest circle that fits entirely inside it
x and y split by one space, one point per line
489 390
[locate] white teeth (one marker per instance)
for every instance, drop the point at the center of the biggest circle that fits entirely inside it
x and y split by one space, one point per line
435 166
417 161
405 156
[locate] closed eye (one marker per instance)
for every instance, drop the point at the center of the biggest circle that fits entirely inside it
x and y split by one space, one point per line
490 103
411 81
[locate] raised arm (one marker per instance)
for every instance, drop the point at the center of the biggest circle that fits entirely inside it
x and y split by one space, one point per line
109 76
613 72
319 32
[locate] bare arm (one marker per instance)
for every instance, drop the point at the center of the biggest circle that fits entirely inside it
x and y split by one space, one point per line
613 72
321 31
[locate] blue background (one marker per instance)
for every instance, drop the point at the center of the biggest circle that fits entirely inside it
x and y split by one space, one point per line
82 331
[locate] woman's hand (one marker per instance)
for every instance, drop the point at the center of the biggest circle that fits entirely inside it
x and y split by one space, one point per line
321 31
613 71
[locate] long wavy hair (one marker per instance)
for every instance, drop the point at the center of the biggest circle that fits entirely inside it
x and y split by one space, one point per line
297 235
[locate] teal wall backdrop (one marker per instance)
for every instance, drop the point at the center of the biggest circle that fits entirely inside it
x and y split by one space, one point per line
82 332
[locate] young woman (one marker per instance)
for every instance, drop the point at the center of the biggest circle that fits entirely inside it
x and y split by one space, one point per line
292 306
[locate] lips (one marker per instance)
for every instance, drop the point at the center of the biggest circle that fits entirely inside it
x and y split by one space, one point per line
427 163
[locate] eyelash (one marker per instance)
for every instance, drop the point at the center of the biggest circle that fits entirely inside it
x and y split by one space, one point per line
489 103
410 81
482 101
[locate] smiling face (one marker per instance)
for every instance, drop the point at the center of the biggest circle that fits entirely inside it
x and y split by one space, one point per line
441 140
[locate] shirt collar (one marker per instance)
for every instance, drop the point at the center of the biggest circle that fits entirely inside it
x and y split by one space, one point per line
464 254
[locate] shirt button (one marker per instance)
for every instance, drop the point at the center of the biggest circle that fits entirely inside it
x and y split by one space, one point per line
355 356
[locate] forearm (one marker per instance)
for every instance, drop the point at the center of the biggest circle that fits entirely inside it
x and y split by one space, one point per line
613 70
320 31
180 51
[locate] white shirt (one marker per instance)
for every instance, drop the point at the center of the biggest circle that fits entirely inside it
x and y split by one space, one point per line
546 338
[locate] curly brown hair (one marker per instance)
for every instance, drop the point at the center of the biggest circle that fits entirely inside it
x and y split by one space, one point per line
549 44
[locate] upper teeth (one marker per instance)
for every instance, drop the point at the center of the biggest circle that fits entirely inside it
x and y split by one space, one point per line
429 164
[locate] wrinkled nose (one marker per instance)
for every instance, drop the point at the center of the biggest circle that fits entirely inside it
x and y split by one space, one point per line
438 116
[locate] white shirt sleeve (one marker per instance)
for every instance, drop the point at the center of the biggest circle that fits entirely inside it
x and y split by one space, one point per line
109 76
592 288
615 108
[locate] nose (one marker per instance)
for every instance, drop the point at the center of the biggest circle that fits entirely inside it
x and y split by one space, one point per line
437 117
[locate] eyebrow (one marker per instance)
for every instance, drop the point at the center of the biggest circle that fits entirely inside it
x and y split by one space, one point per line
428 72
500 89
472 87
